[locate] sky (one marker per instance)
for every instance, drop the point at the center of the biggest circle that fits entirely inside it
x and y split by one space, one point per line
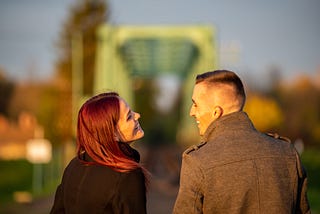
252 35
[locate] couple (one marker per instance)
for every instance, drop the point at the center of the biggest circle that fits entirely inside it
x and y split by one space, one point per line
235 169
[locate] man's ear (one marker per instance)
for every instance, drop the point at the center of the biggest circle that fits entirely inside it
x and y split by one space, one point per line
217 112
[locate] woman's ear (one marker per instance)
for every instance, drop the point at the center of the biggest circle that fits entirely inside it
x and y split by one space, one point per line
217 112
116 137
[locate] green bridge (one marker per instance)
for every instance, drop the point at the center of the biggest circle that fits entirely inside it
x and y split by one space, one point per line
125 53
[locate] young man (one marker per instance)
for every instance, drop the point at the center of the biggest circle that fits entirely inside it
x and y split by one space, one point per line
236 169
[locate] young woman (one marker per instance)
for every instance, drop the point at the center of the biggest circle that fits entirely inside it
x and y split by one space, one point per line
106 176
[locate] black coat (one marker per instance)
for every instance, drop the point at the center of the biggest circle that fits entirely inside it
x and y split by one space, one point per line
99 189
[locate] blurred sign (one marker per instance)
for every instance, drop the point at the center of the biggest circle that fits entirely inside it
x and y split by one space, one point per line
39 151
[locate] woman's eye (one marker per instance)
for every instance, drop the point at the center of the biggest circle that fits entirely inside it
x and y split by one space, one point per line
129 116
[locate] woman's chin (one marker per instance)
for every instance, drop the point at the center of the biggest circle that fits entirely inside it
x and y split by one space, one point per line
139 134
136 136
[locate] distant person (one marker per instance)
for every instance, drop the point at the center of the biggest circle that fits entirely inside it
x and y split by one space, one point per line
236 169
106 176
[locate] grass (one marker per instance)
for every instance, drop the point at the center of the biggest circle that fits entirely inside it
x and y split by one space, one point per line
18 175
15 176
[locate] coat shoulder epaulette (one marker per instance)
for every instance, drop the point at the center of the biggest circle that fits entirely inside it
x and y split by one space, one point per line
194 147
277 136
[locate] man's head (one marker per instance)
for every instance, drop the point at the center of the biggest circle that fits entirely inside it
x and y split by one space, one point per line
216 93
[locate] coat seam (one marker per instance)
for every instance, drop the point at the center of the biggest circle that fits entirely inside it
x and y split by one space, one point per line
258 184
247 159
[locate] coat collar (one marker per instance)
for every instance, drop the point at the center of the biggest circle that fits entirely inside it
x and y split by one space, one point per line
233 121
124 147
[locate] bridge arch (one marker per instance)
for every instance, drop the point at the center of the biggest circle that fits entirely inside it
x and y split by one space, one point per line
127 51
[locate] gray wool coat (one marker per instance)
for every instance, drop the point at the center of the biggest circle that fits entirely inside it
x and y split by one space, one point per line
237 169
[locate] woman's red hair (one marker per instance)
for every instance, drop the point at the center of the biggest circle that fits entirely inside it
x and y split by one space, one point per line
97 127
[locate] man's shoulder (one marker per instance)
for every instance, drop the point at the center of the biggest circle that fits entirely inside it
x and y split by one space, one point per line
194 148
278 137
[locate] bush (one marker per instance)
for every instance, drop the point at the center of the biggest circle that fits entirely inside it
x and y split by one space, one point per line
311 160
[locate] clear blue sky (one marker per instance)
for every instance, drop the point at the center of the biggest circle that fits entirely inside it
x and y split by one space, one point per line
285 33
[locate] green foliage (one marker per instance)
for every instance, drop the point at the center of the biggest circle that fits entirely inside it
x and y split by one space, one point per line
17 175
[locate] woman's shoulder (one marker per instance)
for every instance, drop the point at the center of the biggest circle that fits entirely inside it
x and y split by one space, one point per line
73 163
133 181
134 173
135 176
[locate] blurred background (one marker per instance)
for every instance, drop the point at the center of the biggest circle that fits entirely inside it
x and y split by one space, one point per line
55 54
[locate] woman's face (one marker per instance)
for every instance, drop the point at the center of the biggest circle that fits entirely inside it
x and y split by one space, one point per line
128 125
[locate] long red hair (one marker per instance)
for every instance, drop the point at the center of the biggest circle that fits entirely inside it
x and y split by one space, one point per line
97 127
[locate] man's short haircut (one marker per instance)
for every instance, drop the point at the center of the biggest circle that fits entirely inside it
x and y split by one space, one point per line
224 77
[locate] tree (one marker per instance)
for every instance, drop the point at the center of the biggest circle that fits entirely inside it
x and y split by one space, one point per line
6 92
264 112
84 19
301 101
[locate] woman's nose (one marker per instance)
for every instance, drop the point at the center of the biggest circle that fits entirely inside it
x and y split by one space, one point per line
136 116
191 113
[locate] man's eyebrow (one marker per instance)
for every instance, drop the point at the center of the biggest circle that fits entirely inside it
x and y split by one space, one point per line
193 101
